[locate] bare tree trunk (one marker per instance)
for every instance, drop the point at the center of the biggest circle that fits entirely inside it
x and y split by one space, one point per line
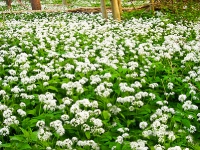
103 9
115 10
8 3
152 6
120 6
35 4
64 2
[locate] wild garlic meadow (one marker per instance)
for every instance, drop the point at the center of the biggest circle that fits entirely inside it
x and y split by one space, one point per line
78 82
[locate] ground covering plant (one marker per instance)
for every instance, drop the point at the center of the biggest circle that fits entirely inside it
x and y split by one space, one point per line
76 81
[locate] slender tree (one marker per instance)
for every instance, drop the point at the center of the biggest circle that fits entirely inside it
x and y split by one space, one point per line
8 3
116 9
103 9
64 2
35 4
120 6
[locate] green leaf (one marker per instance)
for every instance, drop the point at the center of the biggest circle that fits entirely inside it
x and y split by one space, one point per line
8 145
17 138
22 146
31 112
186 123
129 122
106 115
34 136
52 88
26 133
87 134
118 146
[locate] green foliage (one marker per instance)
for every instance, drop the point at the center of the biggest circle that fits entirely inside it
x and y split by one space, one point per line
186 12
137 14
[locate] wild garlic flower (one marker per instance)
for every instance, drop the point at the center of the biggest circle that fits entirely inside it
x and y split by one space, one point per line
182 98
159 147
153 85
4 131
119 140
57 125
7 113
143 125
21 112
174 148
139 144
44 135
170 85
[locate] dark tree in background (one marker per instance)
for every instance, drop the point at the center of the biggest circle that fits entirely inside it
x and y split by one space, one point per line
8 3
35 4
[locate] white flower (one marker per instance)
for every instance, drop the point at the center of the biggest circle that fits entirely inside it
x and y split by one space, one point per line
171 136
189 139
147 133
143 125
159 147
192 129
21 112
40 124
170 85
22 104
7 113
4 131
65 117
182 97
175 148
119 139
44 135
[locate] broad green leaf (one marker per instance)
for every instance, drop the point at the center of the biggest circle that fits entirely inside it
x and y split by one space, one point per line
87 134
8 145
31 112
106 115
52 88
23 146
34 136
186 123
17 138
26 133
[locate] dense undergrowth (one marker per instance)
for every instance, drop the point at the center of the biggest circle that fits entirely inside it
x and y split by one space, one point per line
76 81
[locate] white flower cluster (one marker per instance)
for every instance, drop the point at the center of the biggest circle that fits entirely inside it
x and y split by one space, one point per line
67 143
95 51
84 118
48 100
73 85
139 144
187 105
127 99
57 125
158 126
95 79
113 109
120 139
85 66
104 89
97 126
44 133
90 143
21 112
125 88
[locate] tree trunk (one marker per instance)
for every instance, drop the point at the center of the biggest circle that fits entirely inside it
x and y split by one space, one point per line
8 3
103 9
64 2
120 6
35 4
115 10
